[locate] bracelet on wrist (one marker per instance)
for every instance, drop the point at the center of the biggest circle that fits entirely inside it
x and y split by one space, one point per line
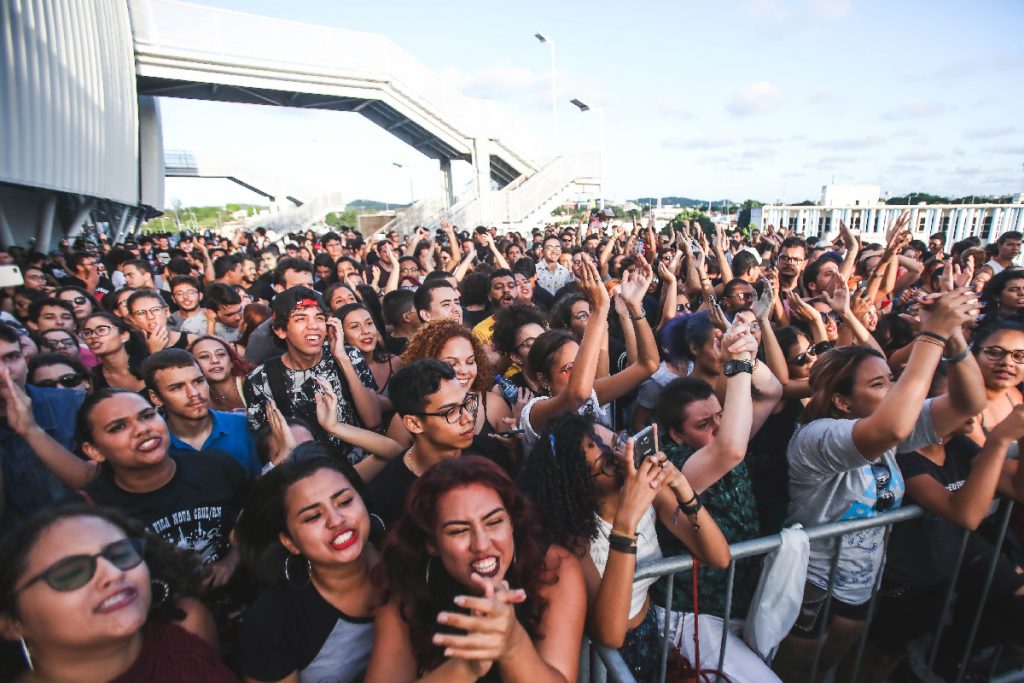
933 335
622 534
641 316
930 341
621 545
957 358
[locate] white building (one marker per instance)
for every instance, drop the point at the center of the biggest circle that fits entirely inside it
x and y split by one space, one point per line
861 208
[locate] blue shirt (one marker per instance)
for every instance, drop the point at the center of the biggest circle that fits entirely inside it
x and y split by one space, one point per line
230 434
28 485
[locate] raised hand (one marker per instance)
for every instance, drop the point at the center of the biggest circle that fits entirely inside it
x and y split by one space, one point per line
336 335
717 315
765 302
489 627
326 405
738 343
634 285
839 300
963 276
591 284
945 314
16 403
279 430
640 488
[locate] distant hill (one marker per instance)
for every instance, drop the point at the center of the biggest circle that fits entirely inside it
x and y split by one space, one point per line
372 205
683 201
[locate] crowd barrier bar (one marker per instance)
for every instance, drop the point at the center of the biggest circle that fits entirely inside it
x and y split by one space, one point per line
600 664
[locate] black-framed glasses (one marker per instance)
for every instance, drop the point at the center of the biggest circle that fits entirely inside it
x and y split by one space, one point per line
187 293
71 380
830 315
148 312
98 331
743 296
997 353
58 344
885 498
790 259
454 414
528 343
75 571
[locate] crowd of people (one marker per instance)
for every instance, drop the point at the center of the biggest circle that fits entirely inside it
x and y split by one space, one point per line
442 456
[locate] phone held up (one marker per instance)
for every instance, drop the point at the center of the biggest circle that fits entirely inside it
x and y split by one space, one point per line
645 444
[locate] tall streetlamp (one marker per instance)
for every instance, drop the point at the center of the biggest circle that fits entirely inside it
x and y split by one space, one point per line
554 100
582 106
412 197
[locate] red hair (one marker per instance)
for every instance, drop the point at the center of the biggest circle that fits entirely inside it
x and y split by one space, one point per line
239 366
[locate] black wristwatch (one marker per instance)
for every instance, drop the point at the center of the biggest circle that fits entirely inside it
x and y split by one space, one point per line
735 367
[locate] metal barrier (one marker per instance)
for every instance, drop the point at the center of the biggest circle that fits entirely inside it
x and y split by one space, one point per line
600 663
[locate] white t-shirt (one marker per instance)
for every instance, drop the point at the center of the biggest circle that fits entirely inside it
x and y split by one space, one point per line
647 550
591 407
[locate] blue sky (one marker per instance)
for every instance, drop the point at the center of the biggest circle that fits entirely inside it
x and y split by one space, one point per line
768 99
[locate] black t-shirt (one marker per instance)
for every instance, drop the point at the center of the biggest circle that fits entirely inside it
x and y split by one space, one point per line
261 289
473 318
924 551
391 485
396 345
542 298
291 629
196 509
769 468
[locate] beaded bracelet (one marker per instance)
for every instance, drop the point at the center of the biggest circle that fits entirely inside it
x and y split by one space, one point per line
621 545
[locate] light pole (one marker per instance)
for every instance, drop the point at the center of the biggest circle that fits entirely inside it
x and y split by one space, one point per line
554 99
582 106
412 197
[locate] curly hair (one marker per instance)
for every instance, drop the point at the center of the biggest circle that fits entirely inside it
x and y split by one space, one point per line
402 570
557 478
508 321
180 569
431 337
239 366
561 312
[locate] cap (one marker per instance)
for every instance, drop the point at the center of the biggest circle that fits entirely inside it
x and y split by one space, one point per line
299 296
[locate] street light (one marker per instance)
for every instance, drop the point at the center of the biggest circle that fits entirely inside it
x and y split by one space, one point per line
582 106
554 100
412 197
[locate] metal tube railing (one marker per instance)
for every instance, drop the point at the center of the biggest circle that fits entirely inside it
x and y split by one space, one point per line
607 664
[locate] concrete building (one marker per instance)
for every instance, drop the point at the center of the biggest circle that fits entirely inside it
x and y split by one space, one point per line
861 208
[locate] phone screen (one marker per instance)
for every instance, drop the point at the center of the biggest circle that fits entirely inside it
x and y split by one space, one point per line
645 444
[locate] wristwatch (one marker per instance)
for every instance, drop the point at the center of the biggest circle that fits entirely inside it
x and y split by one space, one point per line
735 367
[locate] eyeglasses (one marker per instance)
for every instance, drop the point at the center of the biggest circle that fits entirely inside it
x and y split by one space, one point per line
72 380
743 296
830 315
528 343
791 259
148 312
997 353
185 292
567 368
56 344
75 571
886 499
98 331
813 351
454 414
552 247
608 459
36 277
582 316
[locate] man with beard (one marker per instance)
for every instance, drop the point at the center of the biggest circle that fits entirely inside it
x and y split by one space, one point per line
503 293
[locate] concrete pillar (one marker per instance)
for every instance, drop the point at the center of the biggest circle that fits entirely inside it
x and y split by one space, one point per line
6 234
44 228
447 191
75 227
482 167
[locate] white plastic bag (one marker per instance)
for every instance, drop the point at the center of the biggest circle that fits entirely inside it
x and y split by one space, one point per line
741 664
776 602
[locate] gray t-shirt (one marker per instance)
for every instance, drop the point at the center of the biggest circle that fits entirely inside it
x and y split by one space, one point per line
829 481
647 395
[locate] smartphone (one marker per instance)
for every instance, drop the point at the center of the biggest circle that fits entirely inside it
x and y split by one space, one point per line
511 432
645 444
10 276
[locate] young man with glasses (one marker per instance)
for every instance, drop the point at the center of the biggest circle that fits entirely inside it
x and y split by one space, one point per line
440 415
552 275
149 314
187 294
738 295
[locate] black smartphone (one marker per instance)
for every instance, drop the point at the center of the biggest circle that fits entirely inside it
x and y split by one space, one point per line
511 432
645 444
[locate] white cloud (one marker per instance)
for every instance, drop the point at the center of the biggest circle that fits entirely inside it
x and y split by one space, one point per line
496 81
831 8
849 143
760 97
915 109
767 10
919 156
673 109
1007 149
699 143
760 153
990 132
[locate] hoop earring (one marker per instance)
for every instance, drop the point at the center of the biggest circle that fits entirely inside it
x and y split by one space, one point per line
165 591
377 526
27 654
429 560
288 578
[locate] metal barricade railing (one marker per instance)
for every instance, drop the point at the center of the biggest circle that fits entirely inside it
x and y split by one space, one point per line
600 663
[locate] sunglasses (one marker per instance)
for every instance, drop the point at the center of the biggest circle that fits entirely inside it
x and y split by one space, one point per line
71 380
75 571
77 301
804 358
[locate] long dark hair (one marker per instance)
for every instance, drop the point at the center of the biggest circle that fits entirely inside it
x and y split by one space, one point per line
135 347
557 478
379 354
994 289
264 517
180 569
538 360
403 566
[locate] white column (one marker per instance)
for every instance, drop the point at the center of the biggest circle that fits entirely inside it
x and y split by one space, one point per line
482 167
997 215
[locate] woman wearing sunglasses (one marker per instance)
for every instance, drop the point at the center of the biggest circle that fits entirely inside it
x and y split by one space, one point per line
82 301
473 592
842 464
119 348
90 596
566 370
53 370
305 531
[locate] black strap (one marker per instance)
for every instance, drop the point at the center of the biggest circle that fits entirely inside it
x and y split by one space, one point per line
277 380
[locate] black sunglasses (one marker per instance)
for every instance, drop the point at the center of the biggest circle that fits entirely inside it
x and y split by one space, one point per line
68 381
804 358
75 571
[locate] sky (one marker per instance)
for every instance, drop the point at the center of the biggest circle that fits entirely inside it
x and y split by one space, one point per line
763 99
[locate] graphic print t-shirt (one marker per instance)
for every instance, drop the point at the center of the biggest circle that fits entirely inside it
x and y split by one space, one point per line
195 510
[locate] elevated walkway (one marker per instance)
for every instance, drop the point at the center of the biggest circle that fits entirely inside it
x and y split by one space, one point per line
181 164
